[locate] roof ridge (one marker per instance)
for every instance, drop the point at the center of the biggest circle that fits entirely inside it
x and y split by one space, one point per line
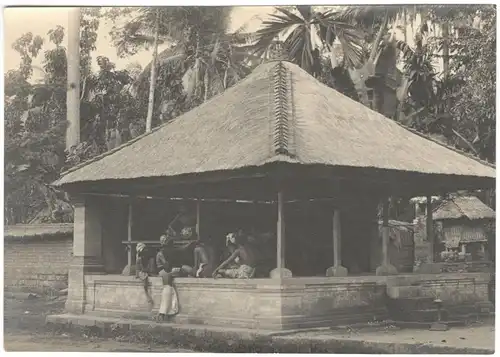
137 138
458 208
281 123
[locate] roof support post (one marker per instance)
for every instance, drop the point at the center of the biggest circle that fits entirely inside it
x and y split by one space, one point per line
129 236
198 204
337 269
280 271
87 250
386 268
429 224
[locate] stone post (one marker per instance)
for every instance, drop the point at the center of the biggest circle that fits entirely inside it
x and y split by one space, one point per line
337 269
87 251
280 271
386 268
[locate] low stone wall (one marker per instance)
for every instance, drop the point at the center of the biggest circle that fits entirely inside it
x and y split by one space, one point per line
256 303
37 262
270 304
457 267
455 289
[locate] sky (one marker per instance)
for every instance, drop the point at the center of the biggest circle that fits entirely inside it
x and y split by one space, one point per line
39 21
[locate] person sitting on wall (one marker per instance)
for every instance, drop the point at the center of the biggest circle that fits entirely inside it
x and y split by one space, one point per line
243 256
204 258
144 268
165 257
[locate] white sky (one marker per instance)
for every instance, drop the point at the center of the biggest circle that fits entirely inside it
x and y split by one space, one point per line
39 21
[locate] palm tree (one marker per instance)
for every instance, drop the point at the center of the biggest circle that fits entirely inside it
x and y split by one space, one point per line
73 97
152 81
307 34
203 59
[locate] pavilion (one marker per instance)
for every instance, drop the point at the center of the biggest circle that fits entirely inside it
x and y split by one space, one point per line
279 136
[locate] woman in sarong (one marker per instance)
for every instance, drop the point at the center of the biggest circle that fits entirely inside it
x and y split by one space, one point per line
243 256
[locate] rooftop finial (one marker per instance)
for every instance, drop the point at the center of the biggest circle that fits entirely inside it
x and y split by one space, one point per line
277 52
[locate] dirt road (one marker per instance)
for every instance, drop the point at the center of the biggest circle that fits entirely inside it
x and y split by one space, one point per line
25 330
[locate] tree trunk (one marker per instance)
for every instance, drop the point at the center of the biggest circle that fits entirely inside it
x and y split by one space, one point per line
405 25
446 50
73 90
152 81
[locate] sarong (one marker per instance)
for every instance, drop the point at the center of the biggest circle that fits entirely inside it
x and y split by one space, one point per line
169 305
242 272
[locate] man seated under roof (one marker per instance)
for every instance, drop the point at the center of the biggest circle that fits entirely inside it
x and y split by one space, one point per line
243 256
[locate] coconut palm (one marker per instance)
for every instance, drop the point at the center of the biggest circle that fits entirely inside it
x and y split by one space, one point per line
202 61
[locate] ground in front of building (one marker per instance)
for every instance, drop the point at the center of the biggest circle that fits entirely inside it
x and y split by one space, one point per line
25 330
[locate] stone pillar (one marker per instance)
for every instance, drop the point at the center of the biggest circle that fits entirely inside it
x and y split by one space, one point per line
87 250
430 229
337 269
280 271
386 268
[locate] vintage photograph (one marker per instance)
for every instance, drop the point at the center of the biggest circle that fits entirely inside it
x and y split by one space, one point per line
260 179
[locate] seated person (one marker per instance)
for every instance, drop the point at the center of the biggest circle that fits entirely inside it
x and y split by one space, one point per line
165 258
145 261
204 258
231 247
144 268
243 257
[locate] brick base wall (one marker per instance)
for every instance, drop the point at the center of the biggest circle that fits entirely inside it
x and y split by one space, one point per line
37 262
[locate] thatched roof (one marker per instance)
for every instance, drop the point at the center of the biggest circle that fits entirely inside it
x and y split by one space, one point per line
38 230
279 113
469 207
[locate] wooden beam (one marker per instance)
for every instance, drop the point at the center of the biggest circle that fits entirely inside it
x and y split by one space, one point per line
385 232
280 251
198 203
429 227
337 253
129 237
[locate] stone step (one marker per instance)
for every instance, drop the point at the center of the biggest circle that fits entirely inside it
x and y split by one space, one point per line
411 303
479 309
427 315
485 307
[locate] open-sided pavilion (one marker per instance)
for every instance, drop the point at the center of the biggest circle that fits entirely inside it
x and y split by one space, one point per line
278 136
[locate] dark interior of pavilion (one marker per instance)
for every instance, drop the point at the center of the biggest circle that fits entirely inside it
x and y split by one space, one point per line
308 232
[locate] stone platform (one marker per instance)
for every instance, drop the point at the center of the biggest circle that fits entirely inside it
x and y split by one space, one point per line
274 304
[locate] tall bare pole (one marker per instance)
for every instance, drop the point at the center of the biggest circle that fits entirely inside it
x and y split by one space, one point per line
73 90
152 81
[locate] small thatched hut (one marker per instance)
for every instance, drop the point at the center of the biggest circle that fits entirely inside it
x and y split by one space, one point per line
464 222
